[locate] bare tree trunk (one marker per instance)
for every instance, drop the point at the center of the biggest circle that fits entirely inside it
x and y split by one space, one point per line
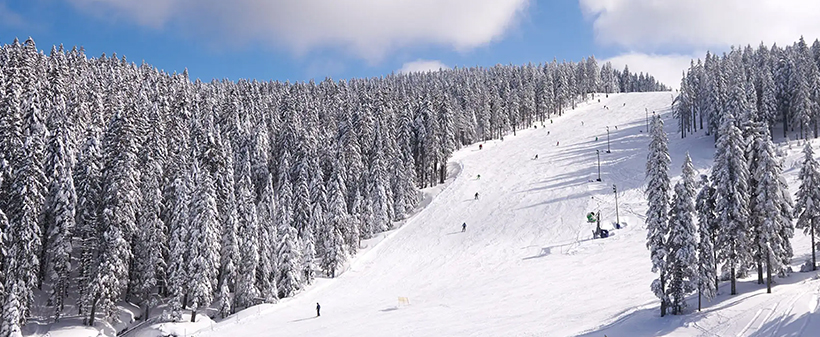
813 256
768 273
93 311
442 173
663 293
734 280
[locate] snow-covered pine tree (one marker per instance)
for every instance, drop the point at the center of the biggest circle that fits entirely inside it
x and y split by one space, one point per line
12 317
288 251
807 206
229 217
203 250
707 227
26 184
180 232
657 221
302 218
266 268
245 290
118 214
150 240
87 179
775 207
730 176
60 207
338 224
682 241
379 185
312 238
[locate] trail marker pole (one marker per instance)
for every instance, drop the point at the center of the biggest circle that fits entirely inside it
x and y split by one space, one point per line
598 152
617 218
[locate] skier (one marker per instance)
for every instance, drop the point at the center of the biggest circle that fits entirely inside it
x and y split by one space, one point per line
317 309
476 195
536 156
464 227
478 177
556 143
548 133
596 138
582 123
480 146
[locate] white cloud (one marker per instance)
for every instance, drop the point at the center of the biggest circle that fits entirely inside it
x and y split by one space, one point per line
366 28
668 69
422 66
647 25
9 18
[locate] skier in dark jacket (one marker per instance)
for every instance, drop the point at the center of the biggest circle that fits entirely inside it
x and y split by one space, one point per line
464 227
476 195
317 309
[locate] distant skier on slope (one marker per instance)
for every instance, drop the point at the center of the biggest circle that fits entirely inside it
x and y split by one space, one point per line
317 309
476 195
464 227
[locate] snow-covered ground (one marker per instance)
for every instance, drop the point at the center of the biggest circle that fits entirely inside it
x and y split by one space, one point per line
526 266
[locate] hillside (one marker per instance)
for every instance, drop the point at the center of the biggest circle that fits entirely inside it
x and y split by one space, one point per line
526 265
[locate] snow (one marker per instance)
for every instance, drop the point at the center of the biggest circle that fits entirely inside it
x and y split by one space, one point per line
527 264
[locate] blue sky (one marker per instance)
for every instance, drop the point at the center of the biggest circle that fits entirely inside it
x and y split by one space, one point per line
302 39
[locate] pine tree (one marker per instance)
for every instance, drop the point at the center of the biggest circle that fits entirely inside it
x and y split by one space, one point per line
337 222
203 250
60 208
288 251
180 232
119 200
730 176
150 241
247 235
807 207
378 187
707 227
774 207
265 269
302 219
657 223
229 217
682 240
12 318
26 186
87 178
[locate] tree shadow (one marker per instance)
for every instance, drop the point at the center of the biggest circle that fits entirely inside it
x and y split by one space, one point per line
646 321
304 319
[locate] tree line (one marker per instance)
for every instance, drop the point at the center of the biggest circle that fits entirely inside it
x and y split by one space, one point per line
740 218
121 182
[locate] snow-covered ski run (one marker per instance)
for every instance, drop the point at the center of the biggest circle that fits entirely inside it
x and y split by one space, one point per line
527 264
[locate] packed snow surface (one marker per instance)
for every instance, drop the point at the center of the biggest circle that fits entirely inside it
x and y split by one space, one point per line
527 264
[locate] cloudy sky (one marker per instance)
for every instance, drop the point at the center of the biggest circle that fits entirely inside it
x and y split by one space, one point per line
298 40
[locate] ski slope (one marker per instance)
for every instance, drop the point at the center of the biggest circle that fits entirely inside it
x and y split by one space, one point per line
526 266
